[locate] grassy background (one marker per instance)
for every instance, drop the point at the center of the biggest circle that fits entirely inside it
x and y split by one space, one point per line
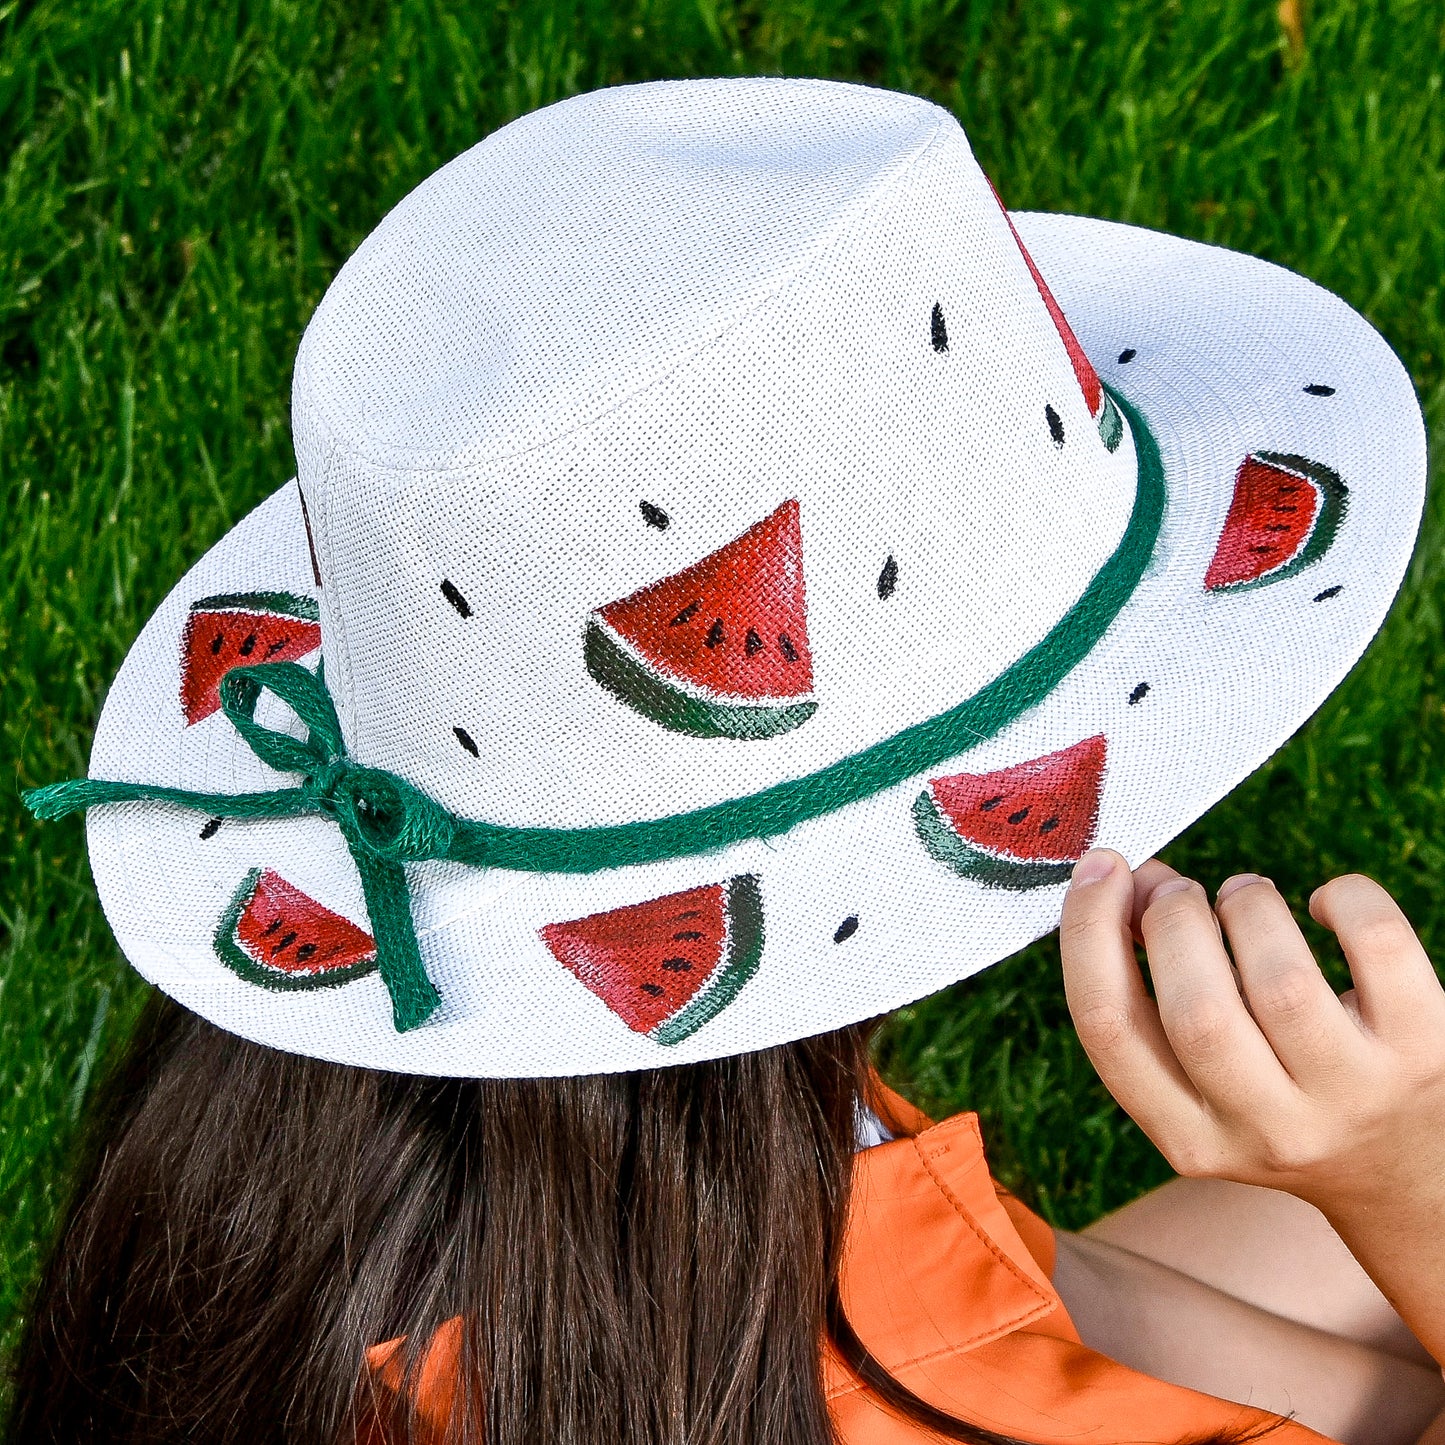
181 181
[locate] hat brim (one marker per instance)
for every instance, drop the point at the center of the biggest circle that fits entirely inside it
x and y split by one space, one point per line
1193 687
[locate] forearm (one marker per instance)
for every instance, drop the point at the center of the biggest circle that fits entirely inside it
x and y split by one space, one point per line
1165 1324
1401 1246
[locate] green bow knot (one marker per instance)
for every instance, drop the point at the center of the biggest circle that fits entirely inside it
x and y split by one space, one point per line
385 821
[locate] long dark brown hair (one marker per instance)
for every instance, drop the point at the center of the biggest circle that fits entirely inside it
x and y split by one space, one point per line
634 1259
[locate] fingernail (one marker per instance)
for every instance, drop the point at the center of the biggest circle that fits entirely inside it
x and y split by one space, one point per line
1093 867
1233 885
1171 885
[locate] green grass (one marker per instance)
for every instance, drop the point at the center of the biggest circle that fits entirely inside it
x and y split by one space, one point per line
182 180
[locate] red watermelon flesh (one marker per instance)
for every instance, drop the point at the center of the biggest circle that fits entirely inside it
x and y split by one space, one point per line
246 627
1044 810
1088 378
1272 518
275 935
649 961
733 624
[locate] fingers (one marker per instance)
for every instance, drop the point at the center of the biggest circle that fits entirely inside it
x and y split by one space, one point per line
1289 998
1118 1023
1218 1044
1396 991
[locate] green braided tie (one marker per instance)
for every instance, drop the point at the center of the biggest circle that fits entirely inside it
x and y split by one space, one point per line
386 822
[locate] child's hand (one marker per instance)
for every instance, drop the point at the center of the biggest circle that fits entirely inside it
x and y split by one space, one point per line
1257 1071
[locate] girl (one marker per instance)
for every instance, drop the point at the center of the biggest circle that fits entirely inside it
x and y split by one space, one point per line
720 602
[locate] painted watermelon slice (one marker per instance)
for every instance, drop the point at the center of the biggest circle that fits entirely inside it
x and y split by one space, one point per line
1100 403
1021 827
273 934
241 627
719 649
667 966
1284 515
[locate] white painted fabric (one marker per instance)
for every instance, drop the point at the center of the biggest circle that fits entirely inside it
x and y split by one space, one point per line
603 344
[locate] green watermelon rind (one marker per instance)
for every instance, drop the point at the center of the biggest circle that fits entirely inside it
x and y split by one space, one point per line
281 604
667 704
968 861
744 908
240 962
1334 499
1111 424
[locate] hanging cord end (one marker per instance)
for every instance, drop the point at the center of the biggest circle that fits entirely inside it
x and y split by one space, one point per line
56 800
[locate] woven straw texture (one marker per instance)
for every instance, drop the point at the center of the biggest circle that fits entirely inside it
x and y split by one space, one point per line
708 452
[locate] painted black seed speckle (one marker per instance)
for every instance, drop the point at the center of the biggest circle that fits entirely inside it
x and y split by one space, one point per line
714 636
1056 425
688 935
989 804
785 646
465 739
305 952
654 516
213 826
846 929
1019 816
216 642
1328 593
249 645
652 990
1138 694
455 598
1048 825
685 615
1318 388
888 579
287 939
939 330
752 644
1127 355
677 965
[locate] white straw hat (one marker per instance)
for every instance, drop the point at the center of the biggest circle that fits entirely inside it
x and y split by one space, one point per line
740 599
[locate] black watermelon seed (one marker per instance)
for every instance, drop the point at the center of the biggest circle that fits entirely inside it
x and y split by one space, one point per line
1318 388
465 739
753 644
846 929
691 913
1019 816
652 990
1048 825
213 826
1138 694
249 645
276 647
1056 425
685 615
677 965
989 804
715 633
653 516
271 927
939 330
287 940
455 598
887 579
786 648
687 936
1328 593
1127 355
305 952
216 642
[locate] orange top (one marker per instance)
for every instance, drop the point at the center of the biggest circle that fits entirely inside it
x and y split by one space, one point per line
946 1279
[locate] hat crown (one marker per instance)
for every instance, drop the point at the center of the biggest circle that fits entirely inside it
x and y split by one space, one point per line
618 335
